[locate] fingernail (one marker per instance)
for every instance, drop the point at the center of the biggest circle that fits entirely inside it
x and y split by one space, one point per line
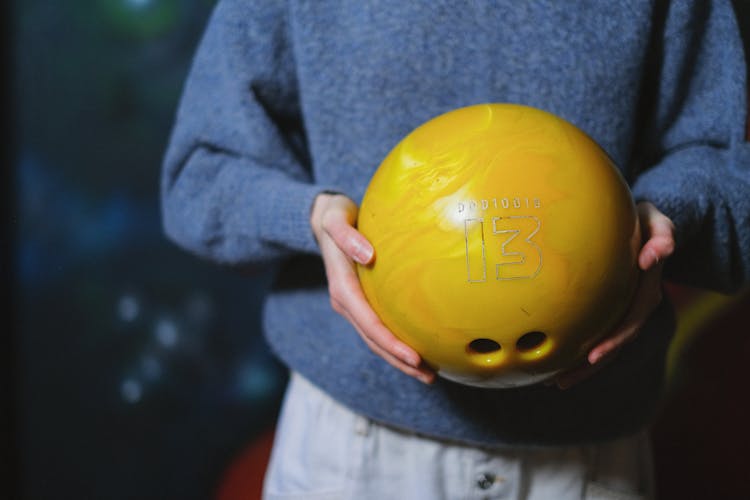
651 260
407 357
362 254
655 256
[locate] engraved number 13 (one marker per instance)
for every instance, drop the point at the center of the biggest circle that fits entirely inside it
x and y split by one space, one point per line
511 249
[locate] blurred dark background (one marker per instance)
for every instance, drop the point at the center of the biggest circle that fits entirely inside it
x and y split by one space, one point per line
134 370
138 370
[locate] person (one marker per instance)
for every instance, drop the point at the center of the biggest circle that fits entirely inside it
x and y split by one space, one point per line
289 108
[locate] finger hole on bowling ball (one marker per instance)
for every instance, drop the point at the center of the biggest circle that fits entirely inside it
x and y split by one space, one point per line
483 346
531 341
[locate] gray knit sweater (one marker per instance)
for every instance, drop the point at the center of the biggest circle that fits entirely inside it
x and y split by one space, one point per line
289 98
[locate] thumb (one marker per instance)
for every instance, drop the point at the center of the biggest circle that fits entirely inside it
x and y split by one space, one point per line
338 223
659 230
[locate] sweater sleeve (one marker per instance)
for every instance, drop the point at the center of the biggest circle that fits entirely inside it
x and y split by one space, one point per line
236 185
697 163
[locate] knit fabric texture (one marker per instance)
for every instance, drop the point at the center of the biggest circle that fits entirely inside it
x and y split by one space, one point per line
288 99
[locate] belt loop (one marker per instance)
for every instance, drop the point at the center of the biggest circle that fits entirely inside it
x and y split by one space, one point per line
362 425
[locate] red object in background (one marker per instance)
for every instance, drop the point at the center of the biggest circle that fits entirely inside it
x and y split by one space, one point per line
243 479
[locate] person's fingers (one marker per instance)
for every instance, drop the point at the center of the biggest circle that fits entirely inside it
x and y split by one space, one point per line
580 373
623 335
654 251
647 297
420 372
333 219
348 300
381 341
337 220
659 234
349 240
659 231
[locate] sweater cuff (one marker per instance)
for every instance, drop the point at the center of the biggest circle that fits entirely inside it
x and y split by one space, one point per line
286 217
666 191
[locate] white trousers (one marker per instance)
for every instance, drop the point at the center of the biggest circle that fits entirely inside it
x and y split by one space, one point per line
322 450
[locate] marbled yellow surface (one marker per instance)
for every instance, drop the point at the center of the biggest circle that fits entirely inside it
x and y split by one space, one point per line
491 222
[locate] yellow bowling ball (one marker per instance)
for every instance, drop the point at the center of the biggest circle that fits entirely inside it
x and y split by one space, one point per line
506 244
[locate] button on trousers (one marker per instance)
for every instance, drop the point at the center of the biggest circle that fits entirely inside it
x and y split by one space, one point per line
325 451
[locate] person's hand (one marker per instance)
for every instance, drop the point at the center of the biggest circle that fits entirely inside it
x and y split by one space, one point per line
659 230
333 219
